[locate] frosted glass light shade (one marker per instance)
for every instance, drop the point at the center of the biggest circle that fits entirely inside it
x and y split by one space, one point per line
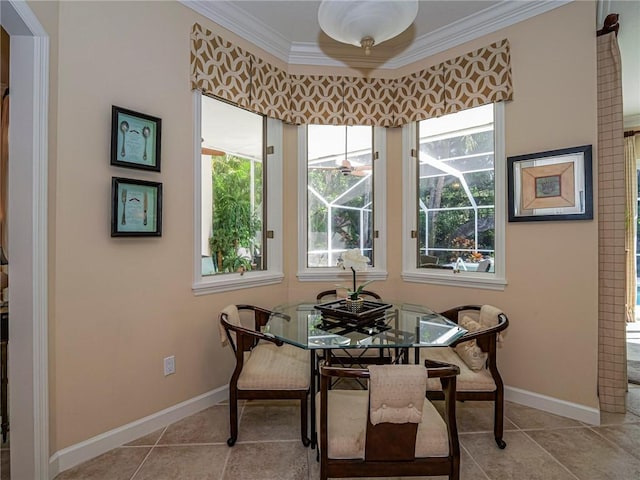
353 21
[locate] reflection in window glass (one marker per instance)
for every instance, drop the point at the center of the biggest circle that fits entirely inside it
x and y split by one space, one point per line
232 189
339 192
456 190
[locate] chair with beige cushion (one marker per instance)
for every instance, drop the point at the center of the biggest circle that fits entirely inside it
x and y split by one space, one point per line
328 295
265 367
390 430
475 355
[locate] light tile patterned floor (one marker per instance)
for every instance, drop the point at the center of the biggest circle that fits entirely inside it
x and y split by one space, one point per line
540 446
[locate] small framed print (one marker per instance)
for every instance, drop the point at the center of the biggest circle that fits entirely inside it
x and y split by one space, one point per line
135 139
136 208
553 185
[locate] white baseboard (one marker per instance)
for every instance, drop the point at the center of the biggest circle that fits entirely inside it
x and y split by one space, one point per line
81 452
556 406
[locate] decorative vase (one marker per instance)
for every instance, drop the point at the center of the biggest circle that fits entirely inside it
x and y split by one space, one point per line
354 305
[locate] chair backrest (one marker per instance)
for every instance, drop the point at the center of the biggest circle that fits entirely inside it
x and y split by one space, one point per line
392 443
328 295
232 331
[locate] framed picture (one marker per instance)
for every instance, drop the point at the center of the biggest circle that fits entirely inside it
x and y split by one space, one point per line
554 185
136 208
135 139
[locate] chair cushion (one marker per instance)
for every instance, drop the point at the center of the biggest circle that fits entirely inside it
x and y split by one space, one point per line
468 380
489 316
469 351
270 367
396 393
347 426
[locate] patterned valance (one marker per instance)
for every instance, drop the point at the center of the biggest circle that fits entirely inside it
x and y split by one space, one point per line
220 69
478 78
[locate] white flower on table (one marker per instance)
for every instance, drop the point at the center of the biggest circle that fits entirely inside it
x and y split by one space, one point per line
353 258
355 261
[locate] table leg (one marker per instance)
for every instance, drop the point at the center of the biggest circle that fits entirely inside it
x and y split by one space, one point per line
3 391
312 391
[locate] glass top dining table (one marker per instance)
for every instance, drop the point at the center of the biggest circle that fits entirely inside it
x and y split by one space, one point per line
386 325
383 325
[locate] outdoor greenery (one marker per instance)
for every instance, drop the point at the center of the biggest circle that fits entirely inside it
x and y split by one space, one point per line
235 222
454 228
345 222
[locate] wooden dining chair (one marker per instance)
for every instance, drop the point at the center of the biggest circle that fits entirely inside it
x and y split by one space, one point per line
475 355
354 357
328 295
392 430
266 368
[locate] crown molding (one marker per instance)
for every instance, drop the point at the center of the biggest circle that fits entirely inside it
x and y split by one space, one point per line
475 26
229 16
505 14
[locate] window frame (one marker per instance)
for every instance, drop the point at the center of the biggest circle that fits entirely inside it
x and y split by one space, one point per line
410 272
272 272
327 274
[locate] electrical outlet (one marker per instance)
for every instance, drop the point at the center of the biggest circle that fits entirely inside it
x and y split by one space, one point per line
169 365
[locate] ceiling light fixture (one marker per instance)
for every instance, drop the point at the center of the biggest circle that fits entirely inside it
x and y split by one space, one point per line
366 23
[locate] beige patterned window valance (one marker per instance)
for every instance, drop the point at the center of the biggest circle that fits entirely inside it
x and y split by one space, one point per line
225 71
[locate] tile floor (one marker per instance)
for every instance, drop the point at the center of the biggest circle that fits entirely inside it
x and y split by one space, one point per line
540 446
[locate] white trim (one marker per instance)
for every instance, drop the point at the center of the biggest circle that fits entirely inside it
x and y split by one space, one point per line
461 279
204 285
197 187
40 257
410 272
28 234
235 281
410 189
81 452
492 19
330 274
578 412
240 22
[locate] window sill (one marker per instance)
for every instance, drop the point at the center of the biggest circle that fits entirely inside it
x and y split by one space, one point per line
235 281
462 279
336 275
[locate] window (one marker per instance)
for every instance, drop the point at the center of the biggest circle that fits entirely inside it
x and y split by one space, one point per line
234 244
341 193
457 199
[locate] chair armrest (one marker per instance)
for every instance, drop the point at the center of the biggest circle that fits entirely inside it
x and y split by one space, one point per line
261 315
329 371
452 313
255 337
436 369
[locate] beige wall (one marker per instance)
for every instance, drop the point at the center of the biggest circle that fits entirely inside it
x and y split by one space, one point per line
120 305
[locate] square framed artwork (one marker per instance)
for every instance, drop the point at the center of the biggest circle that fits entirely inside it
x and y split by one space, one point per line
136 208
552 185
135 139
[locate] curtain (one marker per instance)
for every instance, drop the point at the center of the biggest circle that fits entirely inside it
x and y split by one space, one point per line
612 346
223 70
631 219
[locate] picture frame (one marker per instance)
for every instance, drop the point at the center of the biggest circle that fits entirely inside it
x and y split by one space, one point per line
136 208
135 139
551 185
